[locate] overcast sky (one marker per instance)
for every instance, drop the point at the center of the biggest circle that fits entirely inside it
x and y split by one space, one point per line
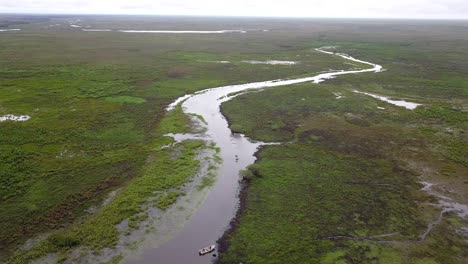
445 9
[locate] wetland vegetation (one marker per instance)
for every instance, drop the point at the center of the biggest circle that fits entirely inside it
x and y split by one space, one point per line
97 118
342 188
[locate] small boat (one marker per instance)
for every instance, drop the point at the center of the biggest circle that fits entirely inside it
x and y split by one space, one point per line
206 250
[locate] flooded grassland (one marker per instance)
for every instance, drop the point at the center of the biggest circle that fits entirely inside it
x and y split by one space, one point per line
97 170
373 169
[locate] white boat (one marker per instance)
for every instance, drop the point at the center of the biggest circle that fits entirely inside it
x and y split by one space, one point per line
206 250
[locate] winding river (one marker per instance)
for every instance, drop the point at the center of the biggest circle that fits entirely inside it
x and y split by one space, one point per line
212 219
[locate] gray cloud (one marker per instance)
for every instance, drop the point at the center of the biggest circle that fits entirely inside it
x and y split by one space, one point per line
451 9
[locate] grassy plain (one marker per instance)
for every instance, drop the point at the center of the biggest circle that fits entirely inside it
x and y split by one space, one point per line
344 186
97 103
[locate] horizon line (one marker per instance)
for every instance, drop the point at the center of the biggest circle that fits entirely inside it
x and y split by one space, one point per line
233 16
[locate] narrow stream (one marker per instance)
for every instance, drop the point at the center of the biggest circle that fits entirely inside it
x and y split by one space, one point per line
212 219
447 205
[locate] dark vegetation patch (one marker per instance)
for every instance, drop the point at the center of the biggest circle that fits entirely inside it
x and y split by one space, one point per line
99 230
126 99
305 202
